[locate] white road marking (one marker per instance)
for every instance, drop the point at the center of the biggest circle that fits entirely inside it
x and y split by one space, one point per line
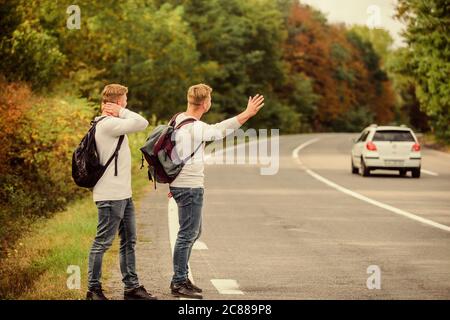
174 227
431 173
295 155
223 286
199 245
173 222
226 286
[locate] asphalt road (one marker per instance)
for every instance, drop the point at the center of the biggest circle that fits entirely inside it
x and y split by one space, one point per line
309 232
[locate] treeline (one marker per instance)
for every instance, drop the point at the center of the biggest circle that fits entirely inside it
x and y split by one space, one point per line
316 76
423 67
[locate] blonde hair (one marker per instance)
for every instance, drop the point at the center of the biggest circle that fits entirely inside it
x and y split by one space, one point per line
198 94
112 92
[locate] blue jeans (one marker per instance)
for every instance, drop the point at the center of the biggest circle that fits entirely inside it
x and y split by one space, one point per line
113 216
189 202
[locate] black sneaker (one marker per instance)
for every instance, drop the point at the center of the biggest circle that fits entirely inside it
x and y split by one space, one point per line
138 293
95 294
184 290
193 286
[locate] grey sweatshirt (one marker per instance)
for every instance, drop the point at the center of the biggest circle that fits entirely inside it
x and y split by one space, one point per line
107 134
188 138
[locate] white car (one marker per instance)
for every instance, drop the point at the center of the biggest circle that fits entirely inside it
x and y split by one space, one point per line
386 148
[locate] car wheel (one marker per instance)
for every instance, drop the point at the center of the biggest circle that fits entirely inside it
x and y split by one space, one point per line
416 173
363 170
403 172
354 169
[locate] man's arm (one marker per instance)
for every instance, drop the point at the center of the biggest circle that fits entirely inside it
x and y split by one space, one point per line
125 121
219 130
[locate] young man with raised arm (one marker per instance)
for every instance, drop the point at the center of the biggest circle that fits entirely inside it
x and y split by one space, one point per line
187 189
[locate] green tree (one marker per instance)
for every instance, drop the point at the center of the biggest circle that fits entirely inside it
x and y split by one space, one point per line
29 53
245 39
409 110
149 49
428 56
344 69
380 39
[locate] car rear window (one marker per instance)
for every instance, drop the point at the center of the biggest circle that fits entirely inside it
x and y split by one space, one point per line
393 135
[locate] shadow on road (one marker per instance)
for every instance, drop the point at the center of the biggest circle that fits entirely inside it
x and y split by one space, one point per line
387 175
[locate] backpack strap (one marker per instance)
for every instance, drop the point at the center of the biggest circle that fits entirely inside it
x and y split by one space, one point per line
115 155
151 175
192 154
94 122
142 162
172 121
184 122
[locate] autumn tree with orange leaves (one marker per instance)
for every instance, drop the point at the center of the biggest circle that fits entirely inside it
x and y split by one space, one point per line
345 70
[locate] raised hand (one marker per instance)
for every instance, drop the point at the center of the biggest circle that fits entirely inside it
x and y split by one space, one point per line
111 109
254 105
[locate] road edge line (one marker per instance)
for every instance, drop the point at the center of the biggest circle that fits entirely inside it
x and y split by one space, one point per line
295 155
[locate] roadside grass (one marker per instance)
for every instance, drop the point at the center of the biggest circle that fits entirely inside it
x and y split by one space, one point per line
36 269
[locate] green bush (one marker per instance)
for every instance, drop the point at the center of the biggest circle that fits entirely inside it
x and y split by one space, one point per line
39 135
36 170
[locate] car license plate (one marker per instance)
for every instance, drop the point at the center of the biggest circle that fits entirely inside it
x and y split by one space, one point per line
394 163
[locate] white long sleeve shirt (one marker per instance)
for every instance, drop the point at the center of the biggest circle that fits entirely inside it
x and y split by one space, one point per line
188 138
107 134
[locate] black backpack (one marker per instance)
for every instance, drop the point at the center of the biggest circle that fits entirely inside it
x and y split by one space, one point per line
86 166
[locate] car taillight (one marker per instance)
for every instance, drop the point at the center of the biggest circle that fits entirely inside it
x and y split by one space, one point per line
371 146
416 147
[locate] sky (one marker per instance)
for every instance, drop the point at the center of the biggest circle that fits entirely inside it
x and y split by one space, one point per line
373 13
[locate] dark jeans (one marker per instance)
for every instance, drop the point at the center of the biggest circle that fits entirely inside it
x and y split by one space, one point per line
189 202
113 216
